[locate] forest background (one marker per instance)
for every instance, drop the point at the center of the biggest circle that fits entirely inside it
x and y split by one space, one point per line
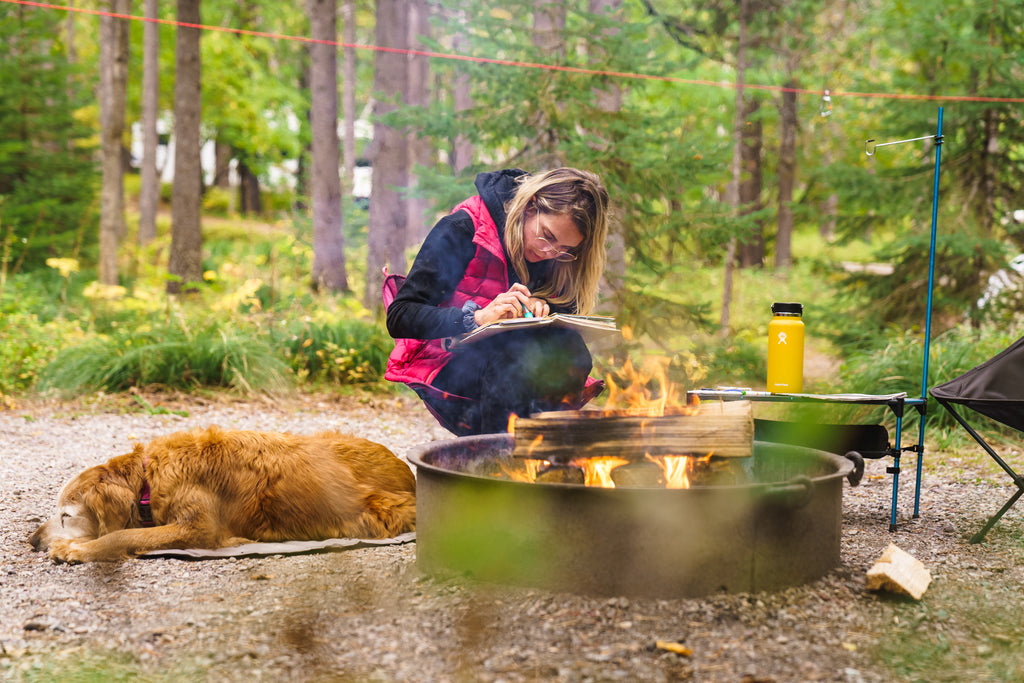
731 136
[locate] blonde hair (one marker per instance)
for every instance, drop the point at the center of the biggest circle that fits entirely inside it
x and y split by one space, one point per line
581 196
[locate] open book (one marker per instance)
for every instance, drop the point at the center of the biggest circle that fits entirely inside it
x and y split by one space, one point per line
590 327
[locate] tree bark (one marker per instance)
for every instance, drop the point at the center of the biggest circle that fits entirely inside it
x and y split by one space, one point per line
329 271
149 189
113 96
348 94
609 100
250 198
462 98
222 154
752 244
420 152
185 261
387 216
786 177
549 38
732 190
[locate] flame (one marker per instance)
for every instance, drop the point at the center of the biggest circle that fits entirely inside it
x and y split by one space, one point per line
675 467
678 468
530 468
598 471
643 392
646 391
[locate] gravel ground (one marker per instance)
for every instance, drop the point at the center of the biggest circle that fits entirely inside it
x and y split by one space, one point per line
370 615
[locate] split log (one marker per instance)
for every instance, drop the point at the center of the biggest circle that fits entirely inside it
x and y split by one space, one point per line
722 429
897 571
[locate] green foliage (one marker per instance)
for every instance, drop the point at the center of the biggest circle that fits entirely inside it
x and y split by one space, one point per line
217 201
170 355
47 177
29 346
895 362
341 352
252 103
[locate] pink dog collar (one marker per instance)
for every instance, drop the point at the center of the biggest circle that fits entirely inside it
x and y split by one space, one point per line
145 513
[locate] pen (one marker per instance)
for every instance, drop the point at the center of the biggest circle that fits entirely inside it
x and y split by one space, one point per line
527 313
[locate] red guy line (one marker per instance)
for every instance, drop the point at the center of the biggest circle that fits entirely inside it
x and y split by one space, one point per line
525 65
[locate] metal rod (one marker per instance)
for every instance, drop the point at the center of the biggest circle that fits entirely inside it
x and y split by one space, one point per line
931 259
871 151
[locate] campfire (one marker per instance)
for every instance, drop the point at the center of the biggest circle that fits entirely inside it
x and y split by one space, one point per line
647 436
657 498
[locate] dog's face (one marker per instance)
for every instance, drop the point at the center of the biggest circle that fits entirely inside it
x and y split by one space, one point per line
94 503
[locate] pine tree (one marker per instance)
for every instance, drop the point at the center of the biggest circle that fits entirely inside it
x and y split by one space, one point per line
48 180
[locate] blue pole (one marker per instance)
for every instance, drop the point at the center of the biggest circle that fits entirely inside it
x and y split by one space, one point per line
931 258
928 321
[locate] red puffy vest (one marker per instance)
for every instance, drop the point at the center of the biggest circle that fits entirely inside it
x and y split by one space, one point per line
417 361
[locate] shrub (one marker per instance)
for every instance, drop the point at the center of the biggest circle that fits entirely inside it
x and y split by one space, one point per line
170 355
342 352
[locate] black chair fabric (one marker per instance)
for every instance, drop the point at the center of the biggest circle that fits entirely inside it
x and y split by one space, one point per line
995 388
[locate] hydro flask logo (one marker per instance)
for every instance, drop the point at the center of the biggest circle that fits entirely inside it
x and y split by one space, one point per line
782 338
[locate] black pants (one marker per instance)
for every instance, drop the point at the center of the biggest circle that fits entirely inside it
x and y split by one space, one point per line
521 372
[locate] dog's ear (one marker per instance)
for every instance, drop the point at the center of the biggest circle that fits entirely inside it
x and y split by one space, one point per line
111 501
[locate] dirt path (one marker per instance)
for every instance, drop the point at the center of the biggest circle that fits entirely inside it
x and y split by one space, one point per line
370 614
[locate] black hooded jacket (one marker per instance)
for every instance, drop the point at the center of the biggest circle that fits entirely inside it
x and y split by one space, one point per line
417 311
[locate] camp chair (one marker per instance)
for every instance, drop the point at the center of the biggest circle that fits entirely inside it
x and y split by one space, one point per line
392 283
994 389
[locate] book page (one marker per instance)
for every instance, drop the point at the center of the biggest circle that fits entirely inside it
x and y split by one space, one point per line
589 327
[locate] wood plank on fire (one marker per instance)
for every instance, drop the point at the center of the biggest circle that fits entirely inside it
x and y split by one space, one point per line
720 428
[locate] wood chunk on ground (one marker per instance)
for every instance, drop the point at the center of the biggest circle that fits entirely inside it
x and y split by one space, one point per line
897 571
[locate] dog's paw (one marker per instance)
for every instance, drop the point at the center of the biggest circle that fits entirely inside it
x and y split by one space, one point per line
64 551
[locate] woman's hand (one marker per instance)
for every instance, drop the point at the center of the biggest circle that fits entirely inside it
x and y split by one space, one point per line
511 304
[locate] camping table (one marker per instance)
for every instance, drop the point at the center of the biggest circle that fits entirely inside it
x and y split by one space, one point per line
897 403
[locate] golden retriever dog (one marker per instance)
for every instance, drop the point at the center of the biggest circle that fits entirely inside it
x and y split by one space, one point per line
216 488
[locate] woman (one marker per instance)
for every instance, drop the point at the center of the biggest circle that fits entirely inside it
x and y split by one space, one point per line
525 245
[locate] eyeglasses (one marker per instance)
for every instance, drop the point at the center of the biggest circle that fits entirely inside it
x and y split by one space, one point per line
549 247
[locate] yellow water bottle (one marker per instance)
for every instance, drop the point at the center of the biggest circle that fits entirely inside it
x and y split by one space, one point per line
786 349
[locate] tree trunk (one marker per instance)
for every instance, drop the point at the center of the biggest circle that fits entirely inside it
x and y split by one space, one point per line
387 215
329 269
348 94
732 190
113 96
786 177
222 154
420 152
149 189
185 261
751 183
549 39
250 199
303 189
462 99
609 100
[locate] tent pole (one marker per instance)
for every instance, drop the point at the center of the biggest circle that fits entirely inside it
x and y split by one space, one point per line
928 318
931 258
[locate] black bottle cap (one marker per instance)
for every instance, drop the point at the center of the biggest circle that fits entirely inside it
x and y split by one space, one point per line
787 309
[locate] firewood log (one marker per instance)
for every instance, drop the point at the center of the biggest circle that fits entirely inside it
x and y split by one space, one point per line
722 429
